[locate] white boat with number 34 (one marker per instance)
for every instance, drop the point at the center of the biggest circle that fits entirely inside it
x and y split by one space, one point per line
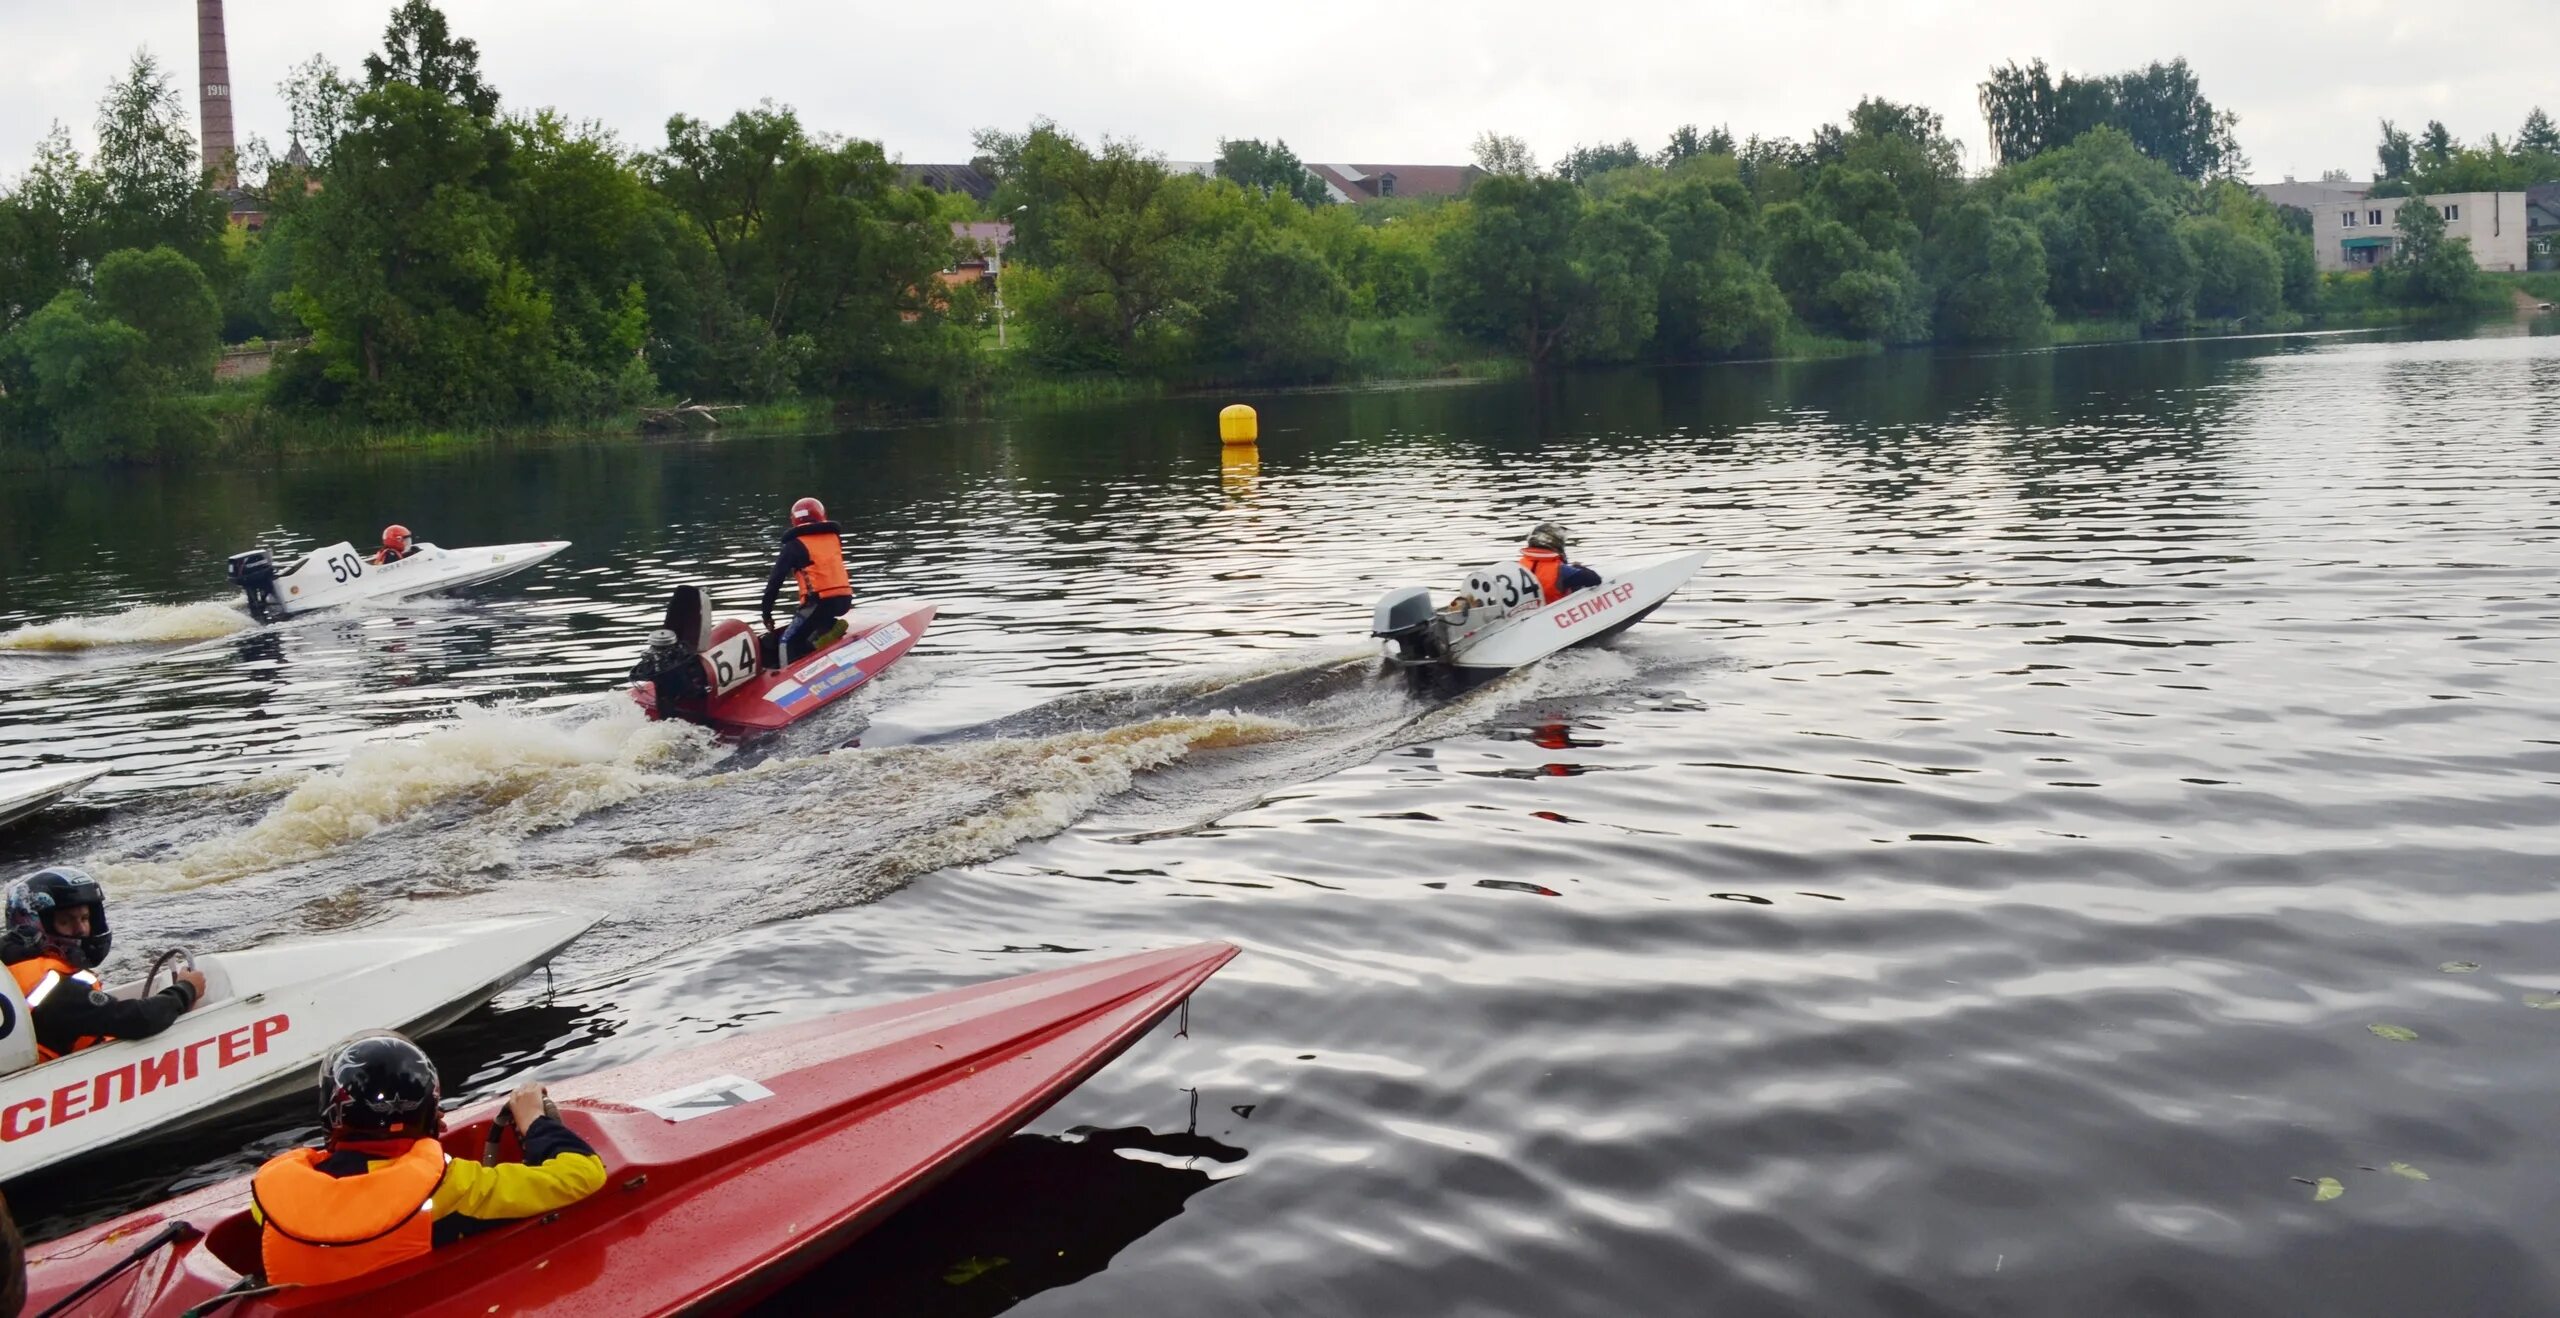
1502 622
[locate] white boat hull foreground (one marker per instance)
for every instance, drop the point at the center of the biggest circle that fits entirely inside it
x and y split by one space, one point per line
24 793
270 1014
338 575
1500 623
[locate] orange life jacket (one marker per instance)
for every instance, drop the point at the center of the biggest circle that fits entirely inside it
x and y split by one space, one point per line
321 1228
1546 565
32 975
825 577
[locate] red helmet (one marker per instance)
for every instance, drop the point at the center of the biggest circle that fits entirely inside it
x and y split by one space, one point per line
395 536
808 512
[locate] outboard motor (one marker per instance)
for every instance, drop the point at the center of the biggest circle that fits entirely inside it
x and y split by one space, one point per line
255 574
675 670
1406 618
673 661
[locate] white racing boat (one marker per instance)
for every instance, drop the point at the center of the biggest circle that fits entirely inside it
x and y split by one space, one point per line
1501 622
24 793
269 1014
338 575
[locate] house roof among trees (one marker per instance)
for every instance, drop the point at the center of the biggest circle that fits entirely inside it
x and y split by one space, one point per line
966 179
1365 182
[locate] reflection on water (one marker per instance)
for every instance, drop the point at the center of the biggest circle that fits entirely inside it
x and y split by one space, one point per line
1036 1213
1975 894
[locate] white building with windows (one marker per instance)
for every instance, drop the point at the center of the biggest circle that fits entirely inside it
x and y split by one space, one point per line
2363 233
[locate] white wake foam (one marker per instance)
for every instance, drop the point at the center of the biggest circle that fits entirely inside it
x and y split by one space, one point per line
519 772
146 625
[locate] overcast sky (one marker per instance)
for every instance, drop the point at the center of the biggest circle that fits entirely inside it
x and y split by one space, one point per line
1377 81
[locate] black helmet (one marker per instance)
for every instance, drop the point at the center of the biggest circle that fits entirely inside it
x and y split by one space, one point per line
379 1087
1548 536
32 902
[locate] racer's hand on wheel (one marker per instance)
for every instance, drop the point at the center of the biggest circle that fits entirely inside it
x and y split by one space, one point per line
524 1105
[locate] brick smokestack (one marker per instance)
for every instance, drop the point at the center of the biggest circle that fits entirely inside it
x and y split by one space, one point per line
213 83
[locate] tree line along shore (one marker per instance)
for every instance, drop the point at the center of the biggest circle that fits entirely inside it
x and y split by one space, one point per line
452 268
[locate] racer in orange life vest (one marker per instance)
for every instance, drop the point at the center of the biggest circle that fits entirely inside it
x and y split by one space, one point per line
382 1190
56 940
812 555
397 544
1544 557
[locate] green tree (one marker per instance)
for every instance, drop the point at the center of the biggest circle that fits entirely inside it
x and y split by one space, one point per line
1990 276
421 51
1836 281
1500 154
2436 147
1386 261
1869 204
319 101
1714 299
2538 137
145 188
1280 311
78 384
148 175
594 239
2429 270
1585 163
1130 257
1269 168
2396 157
2108 217
824 258
1687 143
2160 107
2237 272
2286 232
1535 268
1618 263
405 270
42 230
166 299
1907 146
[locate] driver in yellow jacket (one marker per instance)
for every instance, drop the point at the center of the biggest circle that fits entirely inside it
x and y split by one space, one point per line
383 1190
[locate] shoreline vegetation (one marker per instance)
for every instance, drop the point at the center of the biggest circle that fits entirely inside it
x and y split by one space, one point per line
461 271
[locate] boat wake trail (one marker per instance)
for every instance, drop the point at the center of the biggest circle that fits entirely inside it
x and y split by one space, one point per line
667 831
507 774
149 624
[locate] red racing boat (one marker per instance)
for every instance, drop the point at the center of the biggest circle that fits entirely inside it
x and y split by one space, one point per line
725 675
734 1167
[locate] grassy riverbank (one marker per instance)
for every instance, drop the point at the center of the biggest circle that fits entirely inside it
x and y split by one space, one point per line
240 422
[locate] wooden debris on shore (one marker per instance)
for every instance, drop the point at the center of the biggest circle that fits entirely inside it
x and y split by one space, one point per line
687 415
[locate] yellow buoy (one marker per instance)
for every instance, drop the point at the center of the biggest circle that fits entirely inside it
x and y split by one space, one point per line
1239 425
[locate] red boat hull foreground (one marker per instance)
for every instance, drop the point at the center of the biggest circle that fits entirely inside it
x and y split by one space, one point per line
768 700
734 1167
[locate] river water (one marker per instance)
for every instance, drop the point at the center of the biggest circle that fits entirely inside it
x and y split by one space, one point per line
1973 895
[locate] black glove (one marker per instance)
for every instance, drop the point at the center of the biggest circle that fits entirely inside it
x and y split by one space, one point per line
768 623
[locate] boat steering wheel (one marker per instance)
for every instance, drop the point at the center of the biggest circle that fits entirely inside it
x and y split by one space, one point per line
176 954
500 1124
